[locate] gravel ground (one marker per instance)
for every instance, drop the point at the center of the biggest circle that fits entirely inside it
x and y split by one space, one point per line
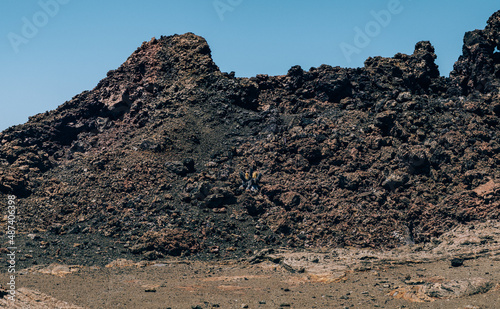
461 269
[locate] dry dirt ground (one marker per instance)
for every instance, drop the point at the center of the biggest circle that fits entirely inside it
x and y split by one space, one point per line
418 276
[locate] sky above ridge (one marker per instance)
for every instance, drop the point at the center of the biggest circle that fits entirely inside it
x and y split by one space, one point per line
51 50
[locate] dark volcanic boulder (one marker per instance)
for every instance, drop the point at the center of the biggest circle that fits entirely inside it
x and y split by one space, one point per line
415 72
478 68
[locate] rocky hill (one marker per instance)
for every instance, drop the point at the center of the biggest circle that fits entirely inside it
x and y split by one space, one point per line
388 154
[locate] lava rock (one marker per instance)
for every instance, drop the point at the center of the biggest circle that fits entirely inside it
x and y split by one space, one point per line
177 167
457 262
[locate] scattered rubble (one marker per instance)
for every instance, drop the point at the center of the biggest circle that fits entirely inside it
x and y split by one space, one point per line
436 288
26 298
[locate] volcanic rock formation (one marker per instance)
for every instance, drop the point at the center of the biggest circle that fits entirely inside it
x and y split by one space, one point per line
383 155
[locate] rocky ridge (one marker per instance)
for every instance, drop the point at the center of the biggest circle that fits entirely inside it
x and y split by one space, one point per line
380 156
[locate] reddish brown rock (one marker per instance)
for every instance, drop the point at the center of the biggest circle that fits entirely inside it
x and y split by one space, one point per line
379 156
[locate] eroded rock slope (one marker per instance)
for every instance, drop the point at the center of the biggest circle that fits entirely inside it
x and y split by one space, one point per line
378 156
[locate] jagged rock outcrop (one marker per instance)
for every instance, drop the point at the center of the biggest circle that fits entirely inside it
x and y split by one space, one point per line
383 155
478 69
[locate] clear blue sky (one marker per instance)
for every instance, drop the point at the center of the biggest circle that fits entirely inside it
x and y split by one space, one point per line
73 46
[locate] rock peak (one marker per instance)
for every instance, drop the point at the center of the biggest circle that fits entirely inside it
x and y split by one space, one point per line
188 53
417 71
175 54
493 23
153 66
478 68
